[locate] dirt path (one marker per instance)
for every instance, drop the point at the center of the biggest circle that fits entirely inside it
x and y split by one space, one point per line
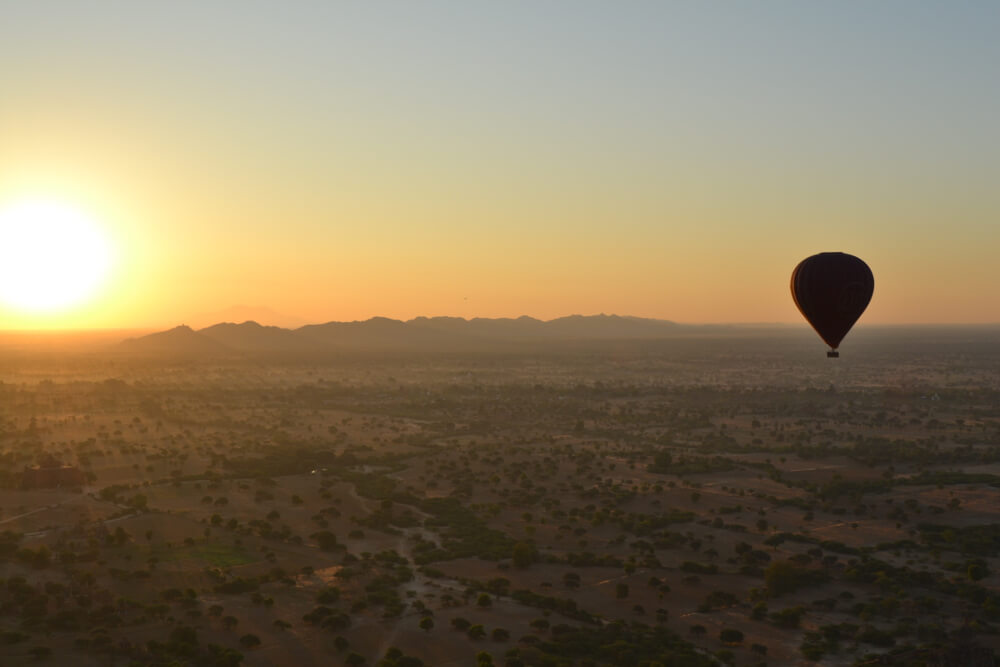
35 511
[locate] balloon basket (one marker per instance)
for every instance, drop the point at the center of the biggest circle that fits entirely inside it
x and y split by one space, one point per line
833 354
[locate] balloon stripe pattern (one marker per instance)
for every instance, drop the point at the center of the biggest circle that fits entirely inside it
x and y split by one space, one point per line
832 290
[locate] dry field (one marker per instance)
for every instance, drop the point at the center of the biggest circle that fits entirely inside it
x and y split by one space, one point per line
628 509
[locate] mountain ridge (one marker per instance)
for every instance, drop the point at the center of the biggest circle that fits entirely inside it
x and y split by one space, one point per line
226 339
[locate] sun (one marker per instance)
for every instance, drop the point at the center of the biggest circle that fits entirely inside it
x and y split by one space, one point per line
52 256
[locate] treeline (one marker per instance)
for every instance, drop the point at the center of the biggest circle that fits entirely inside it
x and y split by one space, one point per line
464 534
616 644
983 540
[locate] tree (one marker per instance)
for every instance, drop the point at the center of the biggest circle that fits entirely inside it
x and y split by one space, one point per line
788 618
476 631
328 595
395 658
326 540
354 659
230 622
40 652
663 461
249 641
460 623
500 635
540 624
621 591
730 636
781 577
426 623
498 586
977 570
725 656
484 600
223 657
524 554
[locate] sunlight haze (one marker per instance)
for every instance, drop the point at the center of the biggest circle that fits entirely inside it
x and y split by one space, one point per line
675 160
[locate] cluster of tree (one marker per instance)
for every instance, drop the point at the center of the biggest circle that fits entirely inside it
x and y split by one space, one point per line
328 618
982 540
616 644
784 576
396 658
465 534
563 606
182 647
291 459
699 568
665 464
905 580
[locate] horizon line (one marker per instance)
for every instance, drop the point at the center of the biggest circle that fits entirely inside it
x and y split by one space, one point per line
167 327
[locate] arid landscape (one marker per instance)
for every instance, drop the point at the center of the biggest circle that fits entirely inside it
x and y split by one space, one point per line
726 497
499 334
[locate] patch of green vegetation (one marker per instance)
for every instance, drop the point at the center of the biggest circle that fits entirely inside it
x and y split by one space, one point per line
783 577
981 540
665 464
563 606
292 459
465 534
617 643
946 478
210 553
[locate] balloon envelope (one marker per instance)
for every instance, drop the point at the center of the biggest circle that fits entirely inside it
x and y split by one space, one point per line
831 290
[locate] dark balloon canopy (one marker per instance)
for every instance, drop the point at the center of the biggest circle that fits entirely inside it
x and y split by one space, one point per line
831 290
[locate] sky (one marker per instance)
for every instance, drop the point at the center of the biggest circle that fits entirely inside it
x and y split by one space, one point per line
343 160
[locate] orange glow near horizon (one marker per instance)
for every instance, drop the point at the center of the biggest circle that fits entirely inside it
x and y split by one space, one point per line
166 262
495 161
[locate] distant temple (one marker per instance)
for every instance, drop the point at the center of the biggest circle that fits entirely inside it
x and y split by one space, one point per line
50 473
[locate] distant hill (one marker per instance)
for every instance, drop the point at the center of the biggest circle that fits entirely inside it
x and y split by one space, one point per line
378 332
250 336
609 326
262 314
384 334
180 342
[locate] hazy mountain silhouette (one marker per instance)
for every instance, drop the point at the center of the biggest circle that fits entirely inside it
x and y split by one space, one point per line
251 336
378 332
381 333
182 342
243 313
608 326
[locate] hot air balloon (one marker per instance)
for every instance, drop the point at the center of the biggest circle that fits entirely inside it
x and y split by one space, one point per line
831 290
